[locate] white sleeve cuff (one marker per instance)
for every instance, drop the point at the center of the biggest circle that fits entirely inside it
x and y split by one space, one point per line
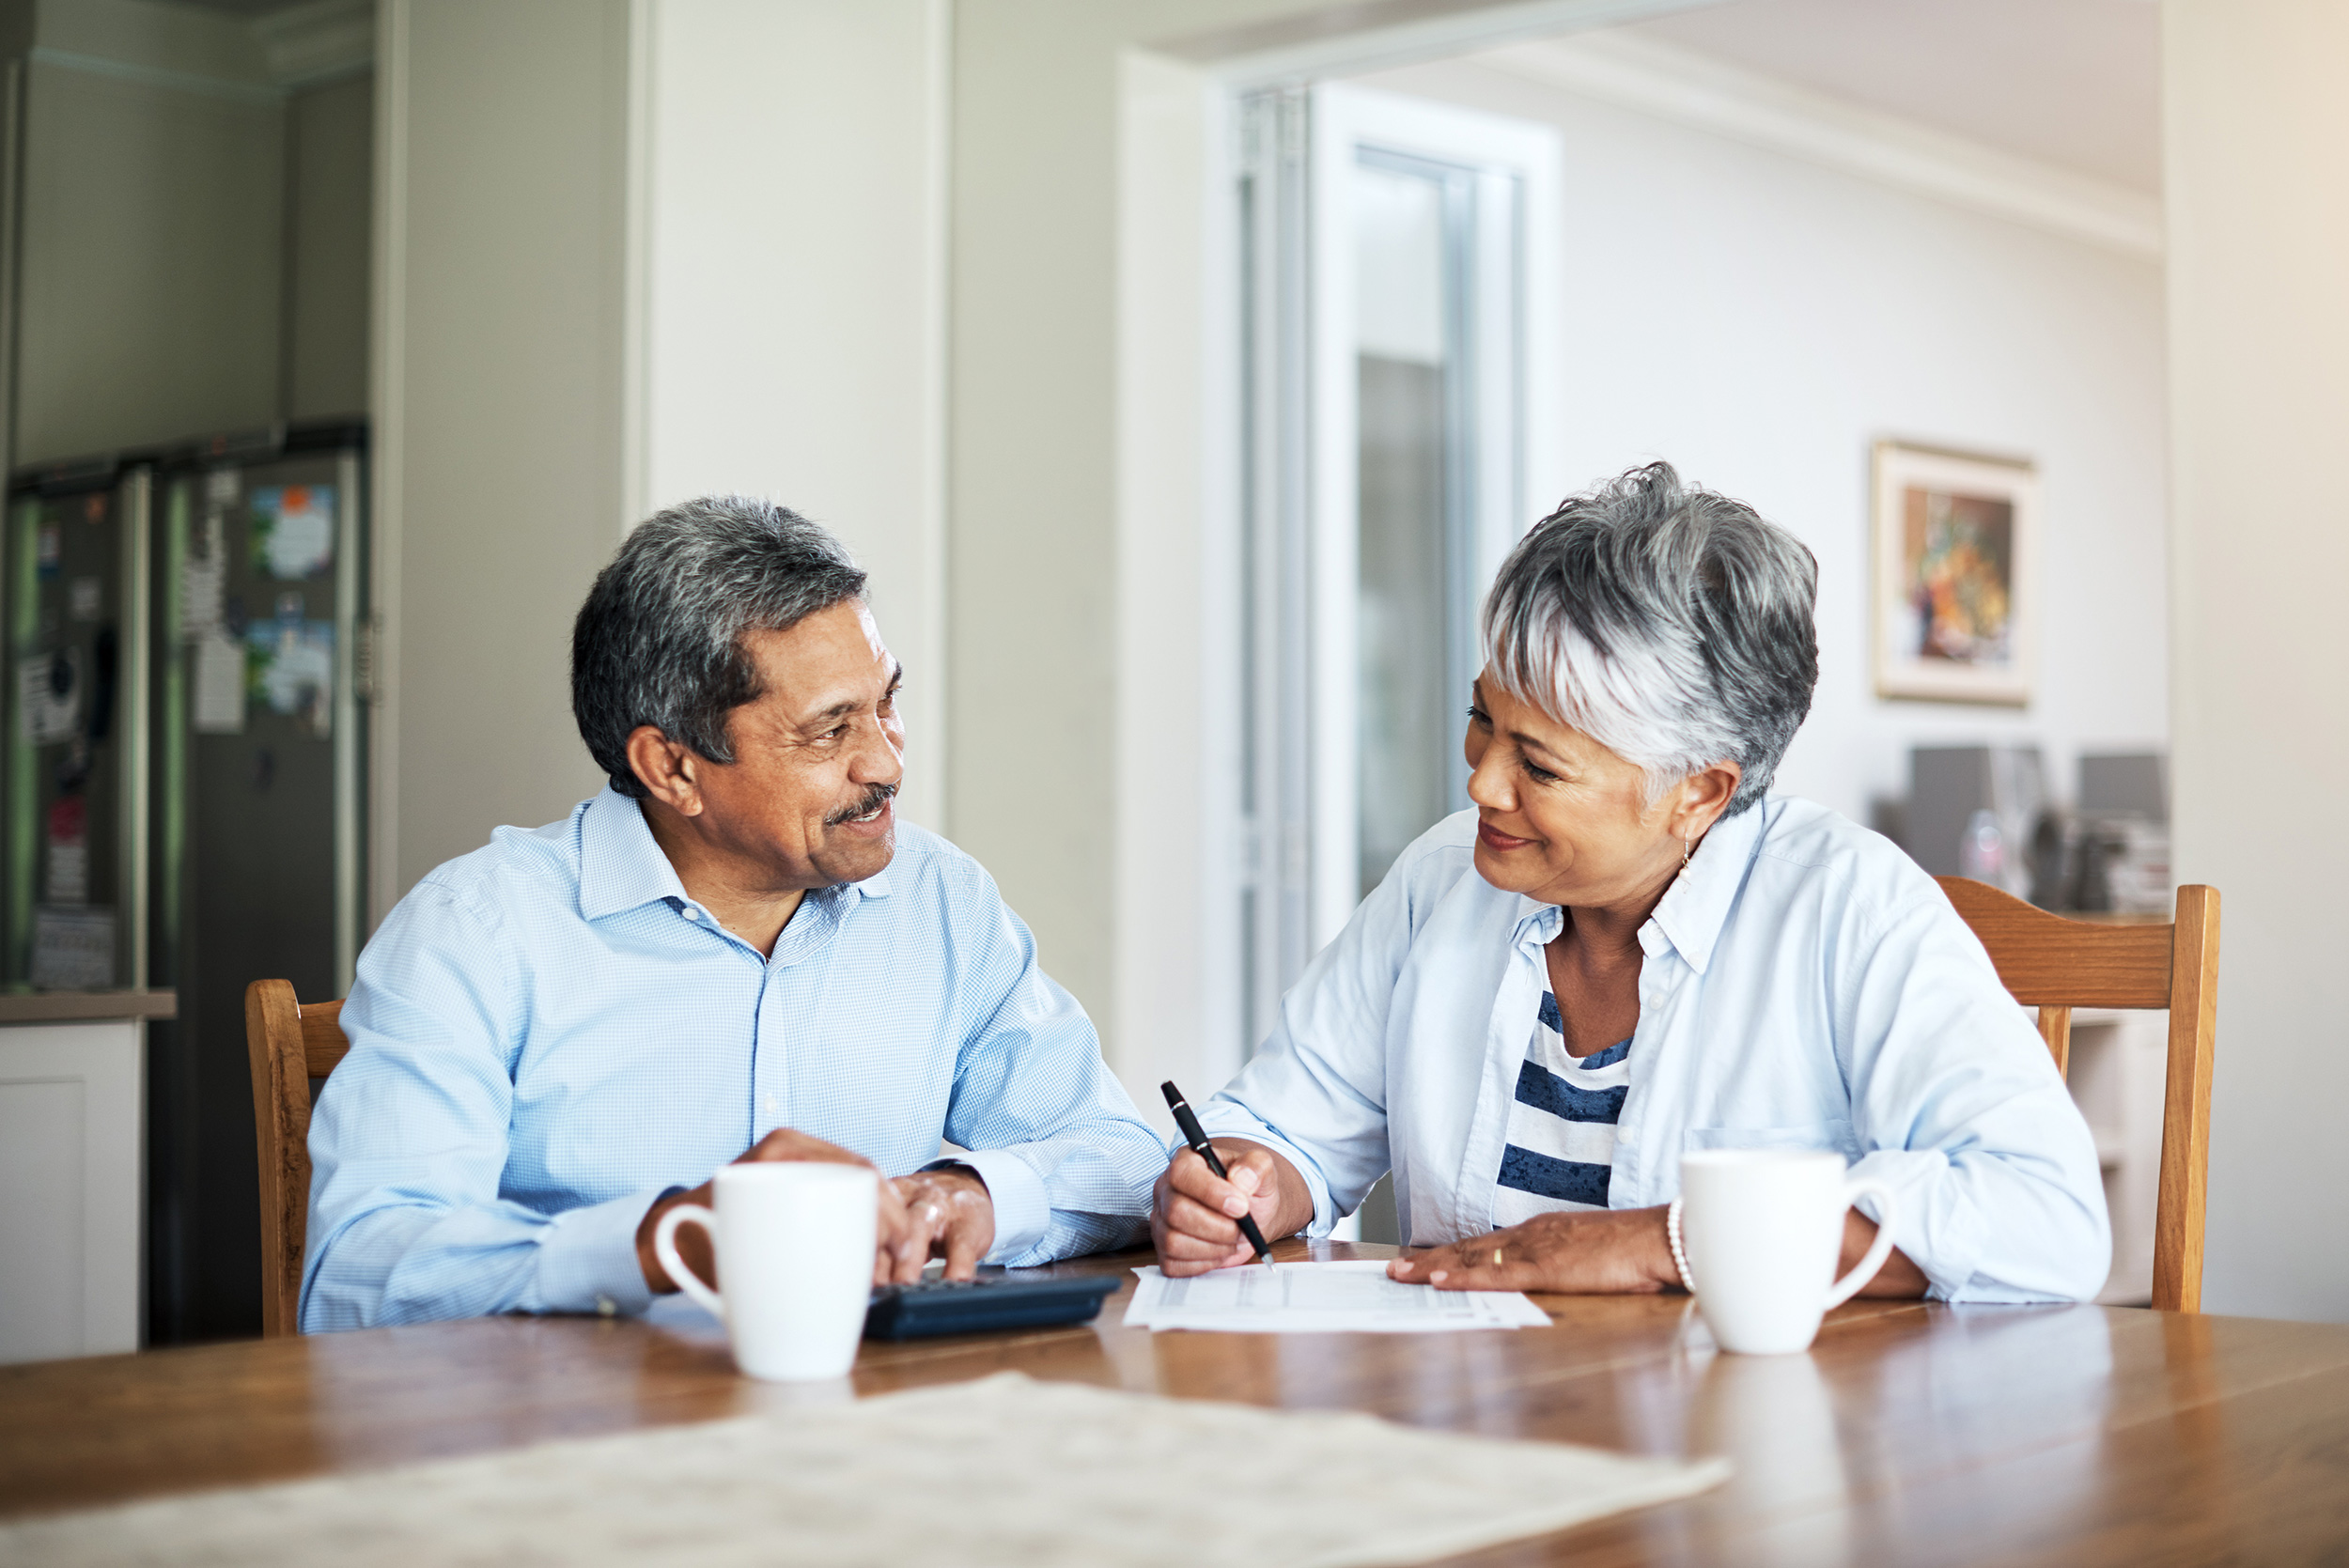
587 1258
1924 1231
1024 1210
1221 1119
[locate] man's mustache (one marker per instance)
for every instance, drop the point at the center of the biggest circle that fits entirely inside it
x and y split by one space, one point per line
877 796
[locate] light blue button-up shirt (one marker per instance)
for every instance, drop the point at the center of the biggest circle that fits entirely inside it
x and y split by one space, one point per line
1804 986
548 1033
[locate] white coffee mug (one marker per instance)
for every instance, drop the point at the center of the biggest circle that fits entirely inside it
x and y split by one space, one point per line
795 1263
1762 1229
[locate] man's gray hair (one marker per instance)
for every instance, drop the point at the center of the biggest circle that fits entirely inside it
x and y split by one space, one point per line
659 640
1673 626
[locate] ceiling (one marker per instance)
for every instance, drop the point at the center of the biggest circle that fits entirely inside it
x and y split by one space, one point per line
2072 83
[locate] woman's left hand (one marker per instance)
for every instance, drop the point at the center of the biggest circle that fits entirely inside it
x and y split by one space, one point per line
1583 1253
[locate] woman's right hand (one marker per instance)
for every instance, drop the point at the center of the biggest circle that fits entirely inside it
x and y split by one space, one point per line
1195 1214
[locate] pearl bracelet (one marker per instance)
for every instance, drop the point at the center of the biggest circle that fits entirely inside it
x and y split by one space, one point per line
1680 1259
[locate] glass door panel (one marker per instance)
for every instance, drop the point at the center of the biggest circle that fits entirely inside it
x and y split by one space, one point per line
1412 228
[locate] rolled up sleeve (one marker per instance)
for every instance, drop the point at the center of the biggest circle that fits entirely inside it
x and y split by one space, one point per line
1316 1091
1959 1109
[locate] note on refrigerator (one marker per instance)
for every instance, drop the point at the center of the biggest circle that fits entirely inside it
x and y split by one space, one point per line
49 697
219 686
1354 1295
73 950
202 597
290 664
293 530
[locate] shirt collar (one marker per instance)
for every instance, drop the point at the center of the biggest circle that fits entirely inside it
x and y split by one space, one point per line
1695 908
621 867
1689 917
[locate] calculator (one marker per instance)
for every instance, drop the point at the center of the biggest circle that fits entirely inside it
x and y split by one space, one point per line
978 1306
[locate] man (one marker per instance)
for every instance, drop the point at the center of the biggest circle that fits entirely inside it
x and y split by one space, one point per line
733 948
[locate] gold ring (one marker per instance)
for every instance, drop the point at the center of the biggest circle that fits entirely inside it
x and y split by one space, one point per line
1496 1257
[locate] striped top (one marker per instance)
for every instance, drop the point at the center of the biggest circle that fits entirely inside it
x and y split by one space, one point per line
1863 1018
1561 1129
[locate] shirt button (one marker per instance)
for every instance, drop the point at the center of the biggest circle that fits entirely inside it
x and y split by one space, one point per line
1628 1137
767 1105
691 914
606 1307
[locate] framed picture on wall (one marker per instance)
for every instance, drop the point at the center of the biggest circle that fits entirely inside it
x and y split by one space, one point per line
1956 547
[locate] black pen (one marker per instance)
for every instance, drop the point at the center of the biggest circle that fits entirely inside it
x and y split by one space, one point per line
1197 1138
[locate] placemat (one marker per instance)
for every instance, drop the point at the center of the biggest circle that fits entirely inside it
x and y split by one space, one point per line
1000 1470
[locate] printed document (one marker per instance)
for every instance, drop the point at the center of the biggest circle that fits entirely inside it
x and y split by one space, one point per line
1321 1297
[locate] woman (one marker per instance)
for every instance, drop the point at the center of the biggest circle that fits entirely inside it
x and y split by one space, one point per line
1629 950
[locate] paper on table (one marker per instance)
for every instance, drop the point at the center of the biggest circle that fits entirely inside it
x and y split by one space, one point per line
1355 1295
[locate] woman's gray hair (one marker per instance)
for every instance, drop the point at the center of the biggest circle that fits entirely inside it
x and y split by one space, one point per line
1673 626
659 640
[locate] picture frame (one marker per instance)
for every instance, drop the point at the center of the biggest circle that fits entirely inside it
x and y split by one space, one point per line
1955 552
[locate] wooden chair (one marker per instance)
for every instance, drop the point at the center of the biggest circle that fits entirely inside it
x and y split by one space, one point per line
289 1045
2057 964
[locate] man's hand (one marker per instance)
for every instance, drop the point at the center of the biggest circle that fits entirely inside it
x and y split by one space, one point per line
1195 1214
948 1214
692 1241
1590 1252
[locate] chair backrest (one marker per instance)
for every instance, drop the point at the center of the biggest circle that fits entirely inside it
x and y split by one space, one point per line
289 1044
2056 965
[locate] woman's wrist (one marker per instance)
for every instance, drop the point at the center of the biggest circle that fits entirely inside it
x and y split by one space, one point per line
1296 1215
1662 1256
1679 1252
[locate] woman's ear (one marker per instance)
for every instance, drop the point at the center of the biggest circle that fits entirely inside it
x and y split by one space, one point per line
1704 796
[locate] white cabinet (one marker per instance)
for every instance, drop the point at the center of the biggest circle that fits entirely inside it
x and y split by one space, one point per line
70 1176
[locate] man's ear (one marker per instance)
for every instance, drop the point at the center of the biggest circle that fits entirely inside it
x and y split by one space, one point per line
667 769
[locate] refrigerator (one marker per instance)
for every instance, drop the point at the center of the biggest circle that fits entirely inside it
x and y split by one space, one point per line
75 769
186 771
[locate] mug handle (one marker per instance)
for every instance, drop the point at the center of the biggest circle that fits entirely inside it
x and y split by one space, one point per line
1840 1292
665 1248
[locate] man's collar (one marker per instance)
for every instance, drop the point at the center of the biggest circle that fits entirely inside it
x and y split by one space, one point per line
621 866
1696 907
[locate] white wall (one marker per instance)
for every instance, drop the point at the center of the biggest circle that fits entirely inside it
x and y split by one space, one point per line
1176 966
501 269
1073 434
194 227
1759 320
330 195
2258 234
794 332
154 178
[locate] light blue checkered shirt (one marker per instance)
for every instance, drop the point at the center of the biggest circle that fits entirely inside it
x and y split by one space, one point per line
546 1034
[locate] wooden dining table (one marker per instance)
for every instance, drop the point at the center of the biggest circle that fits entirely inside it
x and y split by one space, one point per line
1909 1433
